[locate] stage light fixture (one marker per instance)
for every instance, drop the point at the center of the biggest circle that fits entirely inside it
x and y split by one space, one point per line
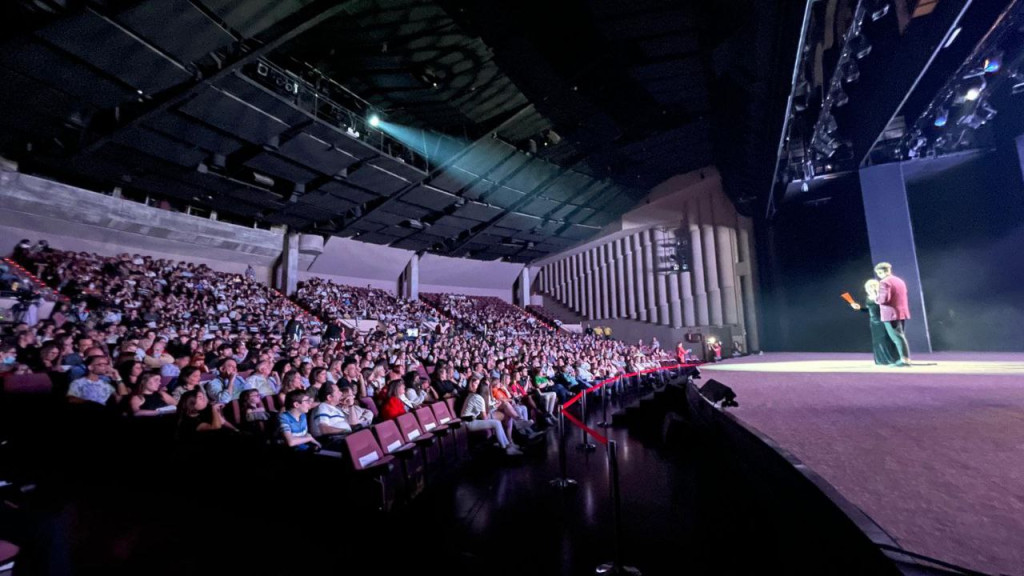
972 94
262 69
941 117
952 37
880 13
852 72
860 47
839 97
994 62
374 120
829 124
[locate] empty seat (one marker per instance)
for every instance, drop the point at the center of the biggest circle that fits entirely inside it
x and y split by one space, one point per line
411 457
373 466
448 443
446 418
427 442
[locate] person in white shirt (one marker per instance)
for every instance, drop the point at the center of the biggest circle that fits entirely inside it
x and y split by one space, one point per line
338 412
475 407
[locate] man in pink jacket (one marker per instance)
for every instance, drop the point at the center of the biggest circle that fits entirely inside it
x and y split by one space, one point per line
894 308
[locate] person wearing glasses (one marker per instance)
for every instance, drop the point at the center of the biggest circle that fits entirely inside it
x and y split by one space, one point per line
93 386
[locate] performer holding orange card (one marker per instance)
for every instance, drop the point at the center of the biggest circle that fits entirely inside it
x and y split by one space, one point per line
883 346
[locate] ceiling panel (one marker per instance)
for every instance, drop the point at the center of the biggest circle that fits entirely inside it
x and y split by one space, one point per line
318 154
430 197
114 51
477 211
274 165
227 112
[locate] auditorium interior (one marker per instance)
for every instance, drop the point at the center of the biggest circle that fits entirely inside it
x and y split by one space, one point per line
512 287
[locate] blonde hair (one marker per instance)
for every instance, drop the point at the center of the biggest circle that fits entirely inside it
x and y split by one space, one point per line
884 266
871 285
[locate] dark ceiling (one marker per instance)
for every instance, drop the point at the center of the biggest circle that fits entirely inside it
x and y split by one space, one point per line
513 129
887 80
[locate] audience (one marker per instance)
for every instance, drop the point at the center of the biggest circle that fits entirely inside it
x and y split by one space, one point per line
222 337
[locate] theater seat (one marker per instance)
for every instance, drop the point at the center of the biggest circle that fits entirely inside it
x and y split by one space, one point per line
27 384
374 469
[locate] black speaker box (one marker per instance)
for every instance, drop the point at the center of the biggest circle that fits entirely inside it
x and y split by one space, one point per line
716 392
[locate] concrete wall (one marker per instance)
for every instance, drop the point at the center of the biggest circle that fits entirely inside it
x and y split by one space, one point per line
71 218
390 287
465 276
505 295
369 263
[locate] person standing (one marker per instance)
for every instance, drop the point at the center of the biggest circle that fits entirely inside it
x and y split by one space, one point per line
883 347
894 309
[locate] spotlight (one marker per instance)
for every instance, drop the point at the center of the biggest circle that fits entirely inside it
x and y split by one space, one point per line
974 89
374 120
994 62
941 117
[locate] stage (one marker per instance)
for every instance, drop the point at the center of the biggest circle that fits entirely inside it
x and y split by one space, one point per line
933 453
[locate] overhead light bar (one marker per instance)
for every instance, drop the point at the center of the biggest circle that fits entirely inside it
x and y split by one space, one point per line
952 37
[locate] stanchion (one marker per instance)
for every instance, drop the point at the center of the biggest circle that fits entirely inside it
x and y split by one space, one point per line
604 423
564 481
615 566
585 444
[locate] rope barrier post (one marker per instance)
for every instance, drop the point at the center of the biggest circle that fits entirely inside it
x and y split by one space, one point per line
604 423
586 444
615 566
563 481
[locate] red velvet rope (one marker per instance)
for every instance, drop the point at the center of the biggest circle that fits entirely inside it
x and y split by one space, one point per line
594 433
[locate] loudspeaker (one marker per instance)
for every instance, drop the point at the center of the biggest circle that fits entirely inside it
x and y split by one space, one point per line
717 392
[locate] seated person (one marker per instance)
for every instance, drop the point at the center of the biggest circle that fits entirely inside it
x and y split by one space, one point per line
477 416
94 386
196 414
187 380
149 399
416 392
228 385
393 405
293 421
254 416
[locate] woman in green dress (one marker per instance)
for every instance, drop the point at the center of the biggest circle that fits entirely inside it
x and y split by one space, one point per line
883 347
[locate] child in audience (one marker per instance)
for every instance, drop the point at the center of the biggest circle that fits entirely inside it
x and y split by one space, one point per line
253 415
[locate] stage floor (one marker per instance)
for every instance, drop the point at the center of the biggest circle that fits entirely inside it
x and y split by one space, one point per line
934 453
860 363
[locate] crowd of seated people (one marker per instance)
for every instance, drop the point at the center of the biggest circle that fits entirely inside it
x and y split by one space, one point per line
328 299
483 314
134 291
149 337
544 314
